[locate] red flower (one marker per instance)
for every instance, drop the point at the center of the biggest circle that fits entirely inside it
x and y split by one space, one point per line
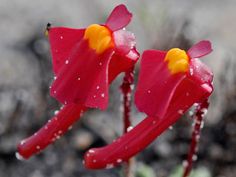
85 61
169 84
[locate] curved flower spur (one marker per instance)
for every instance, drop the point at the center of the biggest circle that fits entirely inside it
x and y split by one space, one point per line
85 62
169 84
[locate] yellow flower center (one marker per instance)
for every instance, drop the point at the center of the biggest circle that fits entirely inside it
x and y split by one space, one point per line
99 38
178 60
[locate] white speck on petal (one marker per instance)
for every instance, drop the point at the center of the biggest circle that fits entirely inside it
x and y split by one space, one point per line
91 151
78 78
61 37
97 87
129 128
119 160
66 62
56 112
103 95
180 111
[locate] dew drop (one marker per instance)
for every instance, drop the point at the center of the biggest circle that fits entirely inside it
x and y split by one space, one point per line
97 87
170 127
94 161
100 63
38 147
119 160
94 96
91 151
22 142
202 125
78 78
194 158
54 91
19 157
129 128
60 132
56 112
191 71
70 127
61 37
154 122
46 127
66 62
185 163
103 95
149 91
181 112
204 111
109 166
55 77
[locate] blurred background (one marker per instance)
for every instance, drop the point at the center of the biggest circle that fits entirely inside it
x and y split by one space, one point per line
25 76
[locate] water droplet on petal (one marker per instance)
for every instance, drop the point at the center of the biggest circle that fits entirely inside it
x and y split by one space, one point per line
91 151
170 127
94 161
56 112
181 112
97 87
61 37
70 127
100 63
129 128
119 160
191 71
103 95
78 78
22 142
149 91
66 62
38 147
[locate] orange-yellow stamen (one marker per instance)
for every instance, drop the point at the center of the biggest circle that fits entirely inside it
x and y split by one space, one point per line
99 38
178 60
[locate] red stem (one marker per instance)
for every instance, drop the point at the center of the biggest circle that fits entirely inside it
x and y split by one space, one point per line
126 91
198 117
51 131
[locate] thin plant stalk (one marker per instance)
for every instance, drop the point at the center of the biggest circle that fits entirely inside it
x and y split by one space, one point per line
200 112
126 89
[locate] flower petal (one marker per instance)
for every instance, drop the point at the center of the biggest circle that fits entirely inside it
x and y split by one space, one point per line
51 131
128 145
121 63
124 41
200 49
62 40
83 78
156 85
119 18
